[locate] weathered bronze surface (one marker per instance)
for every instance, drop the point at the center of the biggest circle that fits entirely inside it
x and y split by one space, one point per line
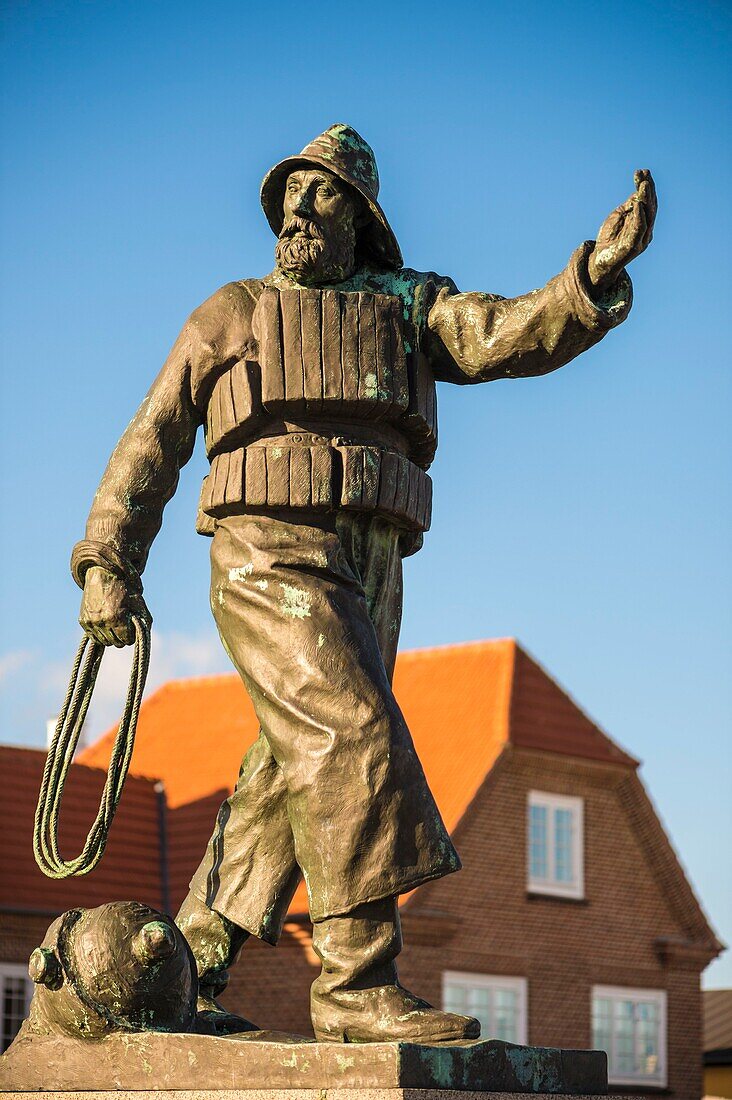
120 967
157 1061
315 390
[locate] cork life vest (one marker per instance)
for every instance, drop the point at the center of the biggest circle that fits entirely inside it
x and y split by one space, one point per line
331 409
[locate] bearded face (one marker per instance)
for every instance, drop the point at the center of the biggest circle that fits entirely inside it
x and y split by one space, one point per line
317 243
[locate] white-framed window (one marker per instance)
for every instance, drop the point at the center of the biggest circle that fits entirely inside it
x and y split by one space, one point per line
16 990
555 845
500 1003
630 1024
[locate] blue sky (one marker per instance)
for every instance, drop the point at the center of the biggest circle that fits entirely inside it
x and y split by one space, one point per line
586 513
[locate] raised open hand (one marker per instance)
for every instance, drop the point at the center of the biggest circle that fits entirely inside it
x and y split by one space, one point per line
625 233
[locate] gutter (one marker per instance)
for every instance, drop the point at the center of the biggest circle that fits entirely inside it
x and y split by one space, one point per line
162 804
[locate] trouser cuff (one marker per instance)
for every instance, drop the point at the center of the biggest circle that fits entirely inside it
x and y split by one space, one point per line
358 950
214 940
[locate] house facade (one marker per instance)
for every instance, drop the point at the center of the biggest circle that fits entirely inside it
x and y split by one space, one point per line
571 924
718 1044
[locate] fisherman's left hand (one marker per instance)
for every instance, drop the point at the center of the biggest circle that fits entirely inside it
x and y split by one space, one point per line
625 233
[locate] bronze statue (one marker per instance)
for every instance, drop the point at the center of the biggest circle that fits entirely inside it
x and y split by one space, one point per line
316 390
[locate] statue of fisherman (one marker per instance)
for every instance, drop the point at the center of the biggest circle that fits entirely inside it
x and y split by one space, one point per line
315 387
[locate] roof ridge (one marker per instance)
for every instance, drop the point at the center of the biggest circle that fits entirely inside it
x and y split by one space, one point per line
76 763
23 748
475 643
185 681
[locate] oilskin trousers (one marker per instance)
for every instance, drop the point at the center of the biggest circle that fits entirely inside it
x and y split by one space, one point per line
308 608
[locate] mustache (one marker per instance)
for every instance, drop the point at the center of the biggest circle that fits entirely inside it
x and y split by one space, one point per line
304 227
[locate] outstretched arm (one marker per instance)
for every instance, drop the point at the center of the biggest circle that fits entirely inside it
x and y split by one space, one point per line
479 337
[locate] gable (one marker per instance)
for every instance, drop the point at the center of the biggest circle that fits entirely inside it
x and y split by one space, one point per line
666 868
545 717
634 904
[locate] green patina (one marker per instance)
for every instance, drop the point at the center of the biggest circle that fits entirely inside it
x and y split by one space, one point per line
407 284
440 1066
535 1068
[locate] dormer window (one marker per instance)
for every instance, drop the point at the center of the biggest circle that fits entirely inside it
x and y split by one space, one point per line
555 853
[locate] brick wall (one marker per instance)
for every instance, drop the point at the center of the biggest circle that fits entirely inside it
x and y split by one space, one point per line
20 933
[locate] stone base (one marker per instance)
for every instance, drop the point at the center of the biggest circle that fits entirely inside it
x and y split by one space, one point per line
245 1065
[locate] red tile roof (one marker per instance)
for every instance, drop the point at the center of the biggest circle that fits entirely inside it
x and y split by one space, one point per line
463 704
131 863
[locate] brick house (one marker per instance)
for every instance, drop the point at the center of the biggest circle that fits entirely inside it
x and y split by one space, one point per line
571 924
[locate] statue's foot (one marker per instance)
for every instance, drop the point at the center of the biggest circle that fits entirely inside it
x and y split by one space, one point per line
214 1018
386 1013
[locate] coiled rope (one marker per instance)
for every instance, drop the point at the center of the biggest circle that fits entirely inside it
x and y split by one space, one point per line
63 746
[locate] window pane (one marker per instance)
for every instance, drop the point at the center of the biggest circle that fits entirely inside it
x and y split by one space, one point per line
538 862
630 1033
647 1038
479 1001
498 1007
454 998
647 1010
602 1040
624 1045
469 1001
506 1015
563 870
14 1000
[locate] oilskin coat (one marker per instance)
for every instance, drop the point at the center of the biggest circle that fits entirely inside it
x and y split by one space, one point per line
319 413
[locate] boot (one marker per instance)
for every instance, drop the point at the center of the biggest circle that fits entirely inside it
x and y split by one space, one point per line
215 942
358 998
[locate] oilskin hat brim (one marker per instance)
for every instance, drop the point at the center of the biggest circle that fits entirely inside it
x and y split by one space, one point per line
376 238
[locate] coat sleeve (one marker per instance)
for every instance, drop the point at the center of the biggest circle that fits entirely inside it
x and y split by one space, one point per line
142 474
479 337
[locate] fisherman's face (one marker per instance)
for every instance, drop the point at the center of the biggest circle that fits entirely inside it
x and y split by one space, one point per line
317 242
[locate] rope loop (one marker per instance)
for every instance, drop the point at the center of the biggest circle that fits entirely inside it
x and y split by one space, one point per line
63 746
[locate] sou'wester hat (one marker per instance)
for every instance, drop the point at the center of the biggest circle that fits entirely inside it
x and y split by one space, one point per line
342 151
